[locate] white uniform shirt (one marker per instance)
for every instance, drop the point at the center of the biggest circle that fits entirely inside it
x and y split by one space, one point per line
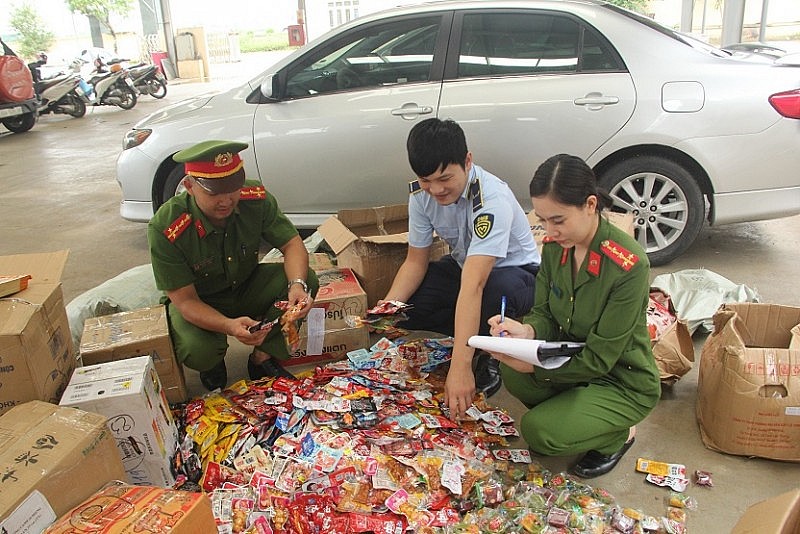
486 220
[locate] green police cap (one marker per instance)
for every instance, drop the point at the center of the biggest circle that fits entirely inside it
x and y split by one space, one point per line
215 165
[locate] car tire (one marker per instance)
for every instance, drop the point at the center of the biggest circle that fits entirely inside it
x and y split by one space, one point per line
173 185
665 200
21 123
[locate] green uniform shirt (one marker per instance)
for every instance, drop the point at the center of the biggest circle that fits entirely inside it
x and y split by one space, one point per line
185 248
605 307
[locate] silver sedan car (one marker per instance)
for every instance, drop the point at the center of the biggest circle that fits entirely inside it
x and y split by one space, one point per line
677 131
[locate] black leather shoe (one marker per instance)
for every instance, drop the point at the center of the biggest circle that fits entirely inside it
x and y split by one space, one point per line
593 464
487 374
267 368
216 377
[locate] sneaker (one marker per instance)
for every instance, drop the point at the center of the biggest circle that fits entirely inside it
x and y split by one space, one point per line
269 367
216 377
487 374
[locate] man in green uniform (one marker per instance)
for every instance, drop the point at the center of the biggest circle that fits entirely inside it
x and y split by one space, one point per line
204 246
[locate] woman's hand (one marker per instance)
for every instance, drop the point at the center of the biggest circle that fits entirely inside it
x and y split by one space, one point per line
510 328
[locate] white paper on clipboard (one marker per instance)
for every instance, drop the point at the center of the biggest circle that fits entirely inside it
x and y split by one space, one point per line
526 350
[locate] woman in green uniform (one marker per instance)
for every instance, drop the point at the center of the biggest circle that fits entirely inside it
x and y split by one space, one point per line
592 287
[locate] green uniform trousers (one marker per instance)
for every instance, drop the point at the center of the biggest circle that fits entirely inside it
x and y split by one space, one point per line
563 420
202 349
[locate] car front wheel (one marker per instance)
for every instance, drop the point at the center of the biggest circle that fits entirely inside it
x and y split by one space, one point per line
172 185
666 203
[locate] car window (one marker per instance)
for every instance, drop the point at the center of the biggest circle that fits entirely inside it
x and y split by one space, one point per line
530 43
379 55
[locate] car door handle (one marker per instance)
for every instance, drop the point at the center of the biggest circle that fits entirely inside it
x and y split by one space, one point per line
596 99
412 109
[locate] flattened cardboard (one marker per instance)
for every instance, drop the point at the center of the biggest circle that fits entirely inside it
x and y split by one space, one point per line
778 515
131 334
129 394
122 509
47 452
36 353
748 393
373 242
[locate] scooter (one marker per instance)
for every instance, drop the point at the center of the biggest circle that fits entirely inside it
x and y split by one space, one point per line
61 94
113 88
148 80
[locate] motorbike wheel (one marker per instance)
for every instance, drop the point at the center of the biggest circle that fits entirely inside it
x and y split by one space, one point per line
21 123
128 98
75 107
156 88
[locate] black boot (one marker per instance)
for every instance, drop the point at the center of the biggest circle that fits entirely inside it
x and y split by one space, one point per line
269 367
593 464
216 377
487 374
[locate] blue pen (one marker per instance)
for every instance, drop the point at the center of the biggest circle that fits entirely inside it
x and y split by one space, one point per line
502 312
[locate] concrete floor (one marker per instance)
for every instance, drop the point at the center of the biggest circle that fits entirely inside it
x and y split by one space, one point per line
59 192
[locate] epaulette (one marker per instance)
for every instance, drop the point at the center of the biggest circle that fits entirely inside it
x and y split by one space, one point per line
619 255
476 195
178 226
255 192
414 187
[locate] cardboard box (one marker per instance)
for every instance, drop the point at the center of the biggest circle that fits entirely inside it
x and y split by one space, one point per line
335 344
129 394
317 261
326 333
123 509
52 458
135 333
36 353
778 515
373 242
748 391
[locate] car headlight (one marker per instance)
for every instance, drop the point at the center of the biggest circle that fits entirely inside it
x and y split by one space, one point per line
135 138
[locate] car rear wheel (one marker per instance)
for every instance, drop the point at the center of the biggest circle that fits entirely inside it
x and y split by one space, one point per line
666 202
21 123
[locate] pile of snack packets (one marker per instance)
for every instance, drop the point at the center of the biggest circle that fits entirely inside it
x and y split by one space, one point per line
365 445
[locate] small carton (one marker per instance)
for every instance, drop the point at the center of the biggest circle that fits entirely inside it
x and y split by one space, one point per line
36 353
327 334
373 242
10 284
778 515
52 458
123 509
663 469
129 394
748 391
135 333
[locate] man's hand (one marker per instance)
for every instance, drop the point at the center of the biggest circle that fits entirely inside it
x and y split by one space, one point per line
459 389
297 296
240 329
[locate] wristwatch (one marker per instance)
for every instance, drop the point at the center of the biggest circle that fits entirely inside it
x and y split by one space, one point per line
297 281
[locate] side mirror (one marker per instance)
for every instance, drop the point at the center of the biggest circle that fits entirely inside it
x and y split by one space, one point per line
267 88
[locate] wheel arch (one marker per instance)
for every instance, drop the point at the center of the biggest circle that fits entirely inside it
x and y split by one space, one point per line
689 163
160 180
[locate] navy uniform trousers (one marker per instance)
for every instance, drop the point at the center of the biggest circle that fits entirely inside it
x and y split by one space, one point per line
434 302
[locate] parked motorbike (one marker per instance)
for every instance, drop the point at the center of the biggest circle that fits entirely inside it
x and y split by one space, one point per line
148 80
58 94
112 88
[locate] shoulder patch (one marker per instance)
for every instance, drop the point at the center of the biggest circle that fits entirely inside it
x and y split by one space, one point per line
619 255
256 192
178 226
414 187
476 195
482 224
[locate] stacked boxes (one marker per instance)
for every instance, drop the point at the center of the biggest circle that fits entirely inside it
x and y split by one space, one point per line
36 355
326 333
128 393
135 333
52 458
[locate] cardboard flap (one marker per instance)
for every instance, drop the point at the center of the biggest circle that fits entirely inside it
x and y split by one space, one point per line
674 352
336 234
44 267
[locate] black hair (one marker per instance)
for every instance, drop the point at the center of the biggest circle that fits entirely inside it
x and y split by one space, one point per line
569 180
435 143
